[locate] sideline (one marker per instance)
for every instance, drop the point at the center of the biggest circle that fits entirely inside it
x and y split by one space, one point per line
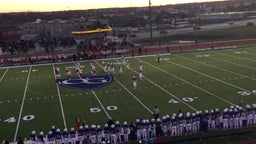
4 74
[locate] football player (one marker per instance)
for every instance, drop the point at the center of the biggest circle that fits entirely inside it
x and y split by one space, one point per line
158 59
80 134
99 134
106 132
68 72
180 124
140 74
134 82
33 137
120 68
122 60
152 130
128 65
254 114
236 118
57 70
51 138
93 70
188 123
174 126
225 118
41 138
72 134
113 136
65 136
118 131
249 115
126 131
104 66
112 68
141 66
93 136
58 136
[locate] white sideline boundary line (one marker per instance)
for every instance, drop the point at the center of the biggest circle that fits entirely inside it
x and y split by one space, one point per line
61 106
22 105
232 85
69 62
242 75
101 104
130 92
4 74
185 81
169 93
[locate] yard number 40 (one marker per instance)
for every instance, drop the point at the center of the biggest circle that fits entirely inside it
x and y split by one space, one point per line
25 118
185 99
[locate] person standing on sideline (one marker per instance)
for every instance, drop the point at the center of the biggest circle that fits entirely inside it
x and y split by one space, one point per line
20 141
158 59
156 112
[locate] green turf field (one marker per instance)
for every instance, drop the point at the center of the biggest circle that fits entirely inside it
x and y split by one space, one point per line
31 100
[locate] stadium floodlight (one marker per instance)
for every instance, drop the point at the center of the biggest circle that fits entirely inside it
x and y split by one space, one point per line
150 21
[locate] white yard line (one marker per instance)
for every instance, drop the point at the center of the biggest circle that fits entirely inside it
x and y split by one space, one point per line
233 63
235 56
232 85
185 81
93 92
242 75
61 106
130 93
22 105
166 91
101 104
4 74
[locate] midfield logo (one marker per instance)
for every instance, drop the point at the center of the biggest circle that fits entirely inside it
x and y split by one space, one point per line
87 82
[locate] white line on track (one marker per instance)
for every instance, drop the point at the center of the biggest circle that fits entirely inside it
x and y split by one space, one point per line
101 104
129 92
232 85
217 67
4 74
166 91
61 106
185 81
22 104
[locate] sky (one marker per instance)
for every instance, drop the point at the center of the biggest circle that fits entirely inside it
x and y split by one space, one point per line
61 5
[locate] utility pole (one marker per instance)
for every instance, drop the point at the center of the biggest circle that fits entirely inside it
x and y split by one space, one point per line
150 21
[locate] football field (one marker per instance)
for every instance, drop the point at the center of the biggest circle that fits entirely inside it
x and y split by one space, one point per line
31 100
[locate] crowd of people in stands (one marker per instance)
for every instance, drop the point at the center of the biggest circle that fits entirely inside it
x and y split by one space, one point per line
62 57
97 47
234 117
50 44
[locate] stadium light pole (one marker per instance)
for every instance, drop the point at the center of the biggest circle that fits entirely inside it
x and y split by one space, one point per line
150 21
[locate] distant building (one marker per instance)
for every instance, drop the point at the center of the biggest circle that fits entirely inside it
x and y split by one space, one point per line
59 28
48 28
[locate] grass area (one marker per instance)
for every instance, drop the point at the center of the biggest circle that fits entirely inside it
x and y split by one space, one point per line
233 33
31 100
